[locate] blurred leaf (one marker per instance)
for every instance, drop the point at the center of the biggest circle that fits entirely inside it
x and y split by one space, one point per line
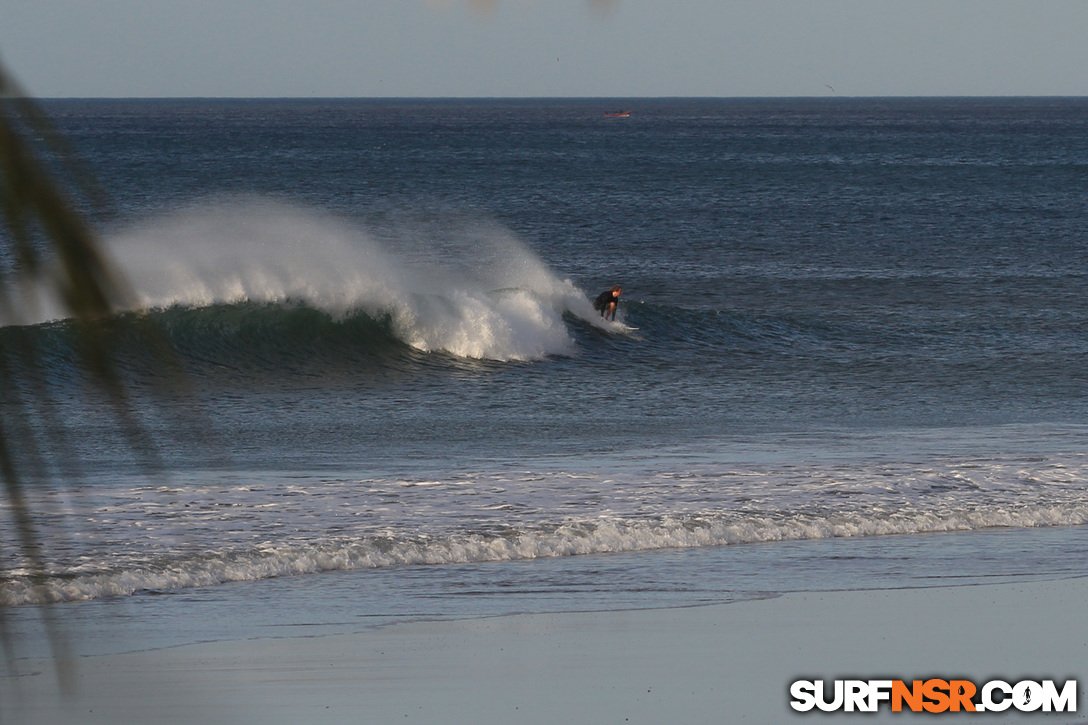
45 242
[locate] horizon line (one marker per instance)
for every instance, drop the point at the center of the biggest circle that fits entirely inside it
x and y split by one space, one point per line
827 97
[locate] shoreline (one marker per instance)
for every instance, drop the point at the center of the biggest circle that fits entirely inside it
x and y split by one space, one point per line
718 663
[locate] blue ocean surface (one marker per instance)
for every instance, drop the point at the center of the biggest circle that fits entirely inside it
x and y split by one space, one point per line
849 353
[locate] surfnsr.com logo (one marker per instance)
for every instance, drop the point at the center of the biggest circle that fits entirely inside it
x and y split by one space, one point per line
933 695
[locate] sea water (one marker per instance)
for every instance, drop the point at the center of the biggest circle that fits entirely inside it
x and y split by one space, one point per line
857 359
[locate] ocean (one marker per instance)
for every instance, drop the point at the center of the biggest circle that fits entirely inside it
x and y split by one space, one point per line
849 354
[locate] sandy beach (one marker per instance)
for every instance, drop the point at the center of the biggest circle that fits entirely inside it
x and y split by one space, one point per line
724 663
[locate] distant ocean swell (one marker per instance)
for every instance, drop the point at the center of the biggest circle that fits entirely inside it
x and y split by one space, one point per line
598 536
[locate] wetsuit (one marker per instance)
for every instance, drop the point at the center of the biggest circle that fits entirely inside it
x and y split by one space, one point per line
603 301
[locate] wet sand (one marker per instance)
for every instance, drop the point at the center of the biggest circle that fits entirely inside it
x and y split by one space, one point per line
714 664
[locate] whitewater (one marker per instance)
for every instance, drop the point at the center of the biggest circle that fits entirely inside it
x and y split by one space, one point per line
134 536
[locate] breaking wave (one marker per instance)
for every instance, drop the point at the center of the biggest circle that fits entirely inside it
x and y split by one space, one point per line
461 286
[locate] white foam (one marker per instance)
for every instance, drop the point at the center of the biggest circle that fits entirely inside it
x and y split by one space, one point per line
607 535
226 533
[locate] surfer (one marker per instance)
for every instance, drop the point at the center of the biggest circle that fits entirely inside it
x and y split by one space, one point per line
606 302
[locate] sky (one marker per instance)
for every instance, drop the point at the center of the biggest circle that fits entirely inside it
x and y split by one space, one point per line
545 48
